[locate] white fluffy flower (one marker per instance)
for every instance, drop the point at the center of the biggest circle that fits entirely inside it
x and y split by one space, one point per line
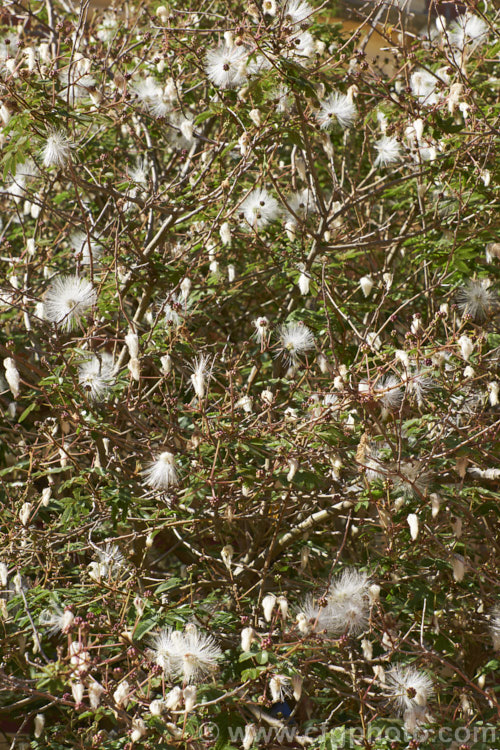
338 107
57 150
297 13
477 300
95 375
388 151
348 602
161 473
68 299
424 86
57 620
180 134
225 66
389 392
190 655
409 688
301 204
151 97
85 249
295 340
110 564
467 29
259 208
201 375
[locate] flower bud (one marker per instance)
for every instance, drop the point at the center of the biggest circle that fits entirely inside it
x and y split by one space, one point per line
268 604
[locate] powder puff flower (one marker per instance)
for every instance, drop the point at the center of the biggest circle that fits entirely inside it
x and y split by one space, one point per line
424 86
161 473
295 340
261 328
495 628
279 686
314 618
301 45
348 602
411 478
225 66
110 563
297 13
57 150
85 249
190 655
338 107
418 384
301 204
67 300
259 208
151 97
57 620
201 375
467 29
388 151
409 688
175 310
477 300
95 375
389 392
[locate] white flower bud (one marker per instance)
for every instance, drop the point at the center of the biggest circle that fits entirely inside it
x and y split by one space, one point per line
435 504
46 495
139 605
469 372
227 553
231 273
493 389
77 691
157 707
30 246
481 680
412 521
374 593
138 730
416 324
134 367
39 725
254 115
267 397
366 284
4 575
132 342
173 698
189 694
24 513
268 604
185 287
304 558
12 376
225 234
290 230
367 647
304 283
466 346
458 565
249 736
121 693
247 638
293 465
379 673
456 525
283 605
166 364
297 681
95 691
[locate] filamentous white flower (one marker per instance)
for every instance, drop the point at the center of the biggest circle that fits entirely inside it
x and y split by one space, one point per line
161 473
259 209
477 300
121 693
95 375
315 618
261 328
468 30
110 564
295 340
201 375
57 150
424 86
225 66
85 249
190 655
68 299
56 619
279 686
301 204
389 392
151 97
409 688
337 107
348 602
388 151
297 13
495 627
